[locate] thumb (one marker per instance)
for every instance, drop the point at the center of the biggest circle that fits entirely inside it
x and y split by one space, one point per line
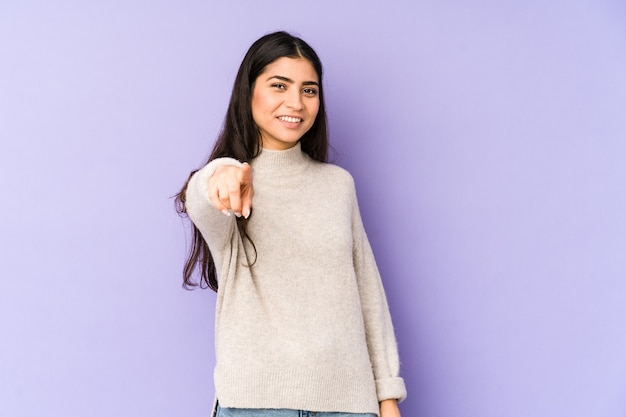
246 173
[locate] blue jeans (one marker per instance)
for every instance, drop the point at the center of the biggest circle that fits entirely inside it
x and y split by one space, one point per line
265 412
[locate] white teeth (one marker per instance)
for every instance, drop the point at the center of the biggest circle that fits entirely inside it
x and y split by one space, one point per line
290 119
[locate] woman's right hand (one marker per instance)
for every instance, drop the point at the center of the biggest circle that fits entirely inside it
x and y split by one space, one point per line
230 190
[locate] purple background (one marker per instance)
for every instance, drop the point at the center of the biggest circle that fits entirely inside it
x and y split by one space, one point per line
487 139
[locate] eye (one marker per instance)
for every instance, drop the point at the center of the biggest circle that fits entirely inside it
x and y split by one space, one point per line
310 91
279 86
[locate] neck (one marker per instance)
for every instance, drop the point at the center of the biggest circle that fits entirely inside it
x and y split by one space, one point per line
288 161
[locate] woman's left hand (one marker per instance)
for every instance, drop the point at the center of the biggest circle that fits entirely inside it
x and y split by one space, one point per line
389 408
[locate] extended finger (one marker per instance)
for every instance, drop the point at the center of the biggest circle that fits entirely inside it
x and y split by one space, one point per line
247 191
247 195
214 197
234 195
223 191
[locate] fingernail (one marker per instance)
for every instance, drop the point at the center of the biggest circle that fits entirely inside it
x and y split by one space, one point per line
246 213
237 214
226 212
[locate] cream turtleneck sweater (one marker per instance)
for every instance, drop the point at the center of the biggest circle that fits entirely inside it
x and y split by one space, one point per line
306 326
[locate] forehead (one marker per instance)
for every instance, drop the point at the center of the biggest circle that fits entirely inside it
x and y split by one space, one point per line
297 69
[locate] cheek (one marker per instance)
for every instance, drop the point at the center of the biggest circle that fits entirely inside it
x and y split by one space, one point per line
256 105
260 104
263 102
314 108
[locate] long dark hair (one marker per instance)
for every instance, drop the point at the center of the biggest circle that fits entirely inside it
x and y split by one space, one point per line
240 137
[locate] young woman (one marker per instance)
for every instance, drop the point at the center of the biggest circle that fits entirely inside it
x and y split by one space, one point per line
302 325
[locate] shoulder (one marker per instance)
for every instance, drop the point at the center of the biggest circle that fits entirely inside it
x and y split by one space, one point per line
334 173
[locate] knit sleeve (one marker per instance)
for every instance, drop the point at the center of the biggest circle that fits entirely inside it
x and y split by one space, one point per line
215 226
379 331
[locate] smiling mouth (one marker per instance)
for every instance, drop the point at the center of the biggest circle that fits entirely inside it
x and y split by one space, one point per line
289 119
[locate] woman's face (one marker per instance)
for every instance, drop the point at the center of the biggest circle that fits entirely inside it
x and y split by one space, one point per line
285 102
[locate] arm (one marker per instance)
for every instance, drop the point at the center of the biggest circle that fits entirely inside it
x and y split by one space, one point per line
381 341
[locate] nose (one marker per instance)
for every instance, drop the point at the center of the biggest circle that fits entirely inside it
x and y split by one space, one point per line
294 100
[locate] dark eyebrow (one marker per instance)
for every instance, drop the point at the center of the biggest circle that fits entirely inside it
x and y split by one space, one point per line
290 81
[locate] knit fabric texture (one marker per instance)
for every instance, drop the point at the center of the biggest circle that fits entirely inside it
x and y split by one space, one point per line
301 320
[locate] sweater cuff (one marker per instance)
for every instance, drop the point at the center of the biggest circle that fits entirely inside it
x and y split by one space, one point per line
392 388
209 169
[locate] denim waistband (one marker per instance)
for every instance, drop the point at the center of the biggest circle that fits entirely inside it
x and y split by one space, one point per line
269 412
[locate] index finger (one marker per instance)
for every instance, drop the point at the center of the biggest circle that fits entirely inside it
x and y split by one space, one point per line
234 196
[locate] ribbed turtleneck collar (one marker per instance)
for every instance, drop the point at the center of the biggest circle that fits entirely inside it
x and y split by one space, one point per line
286 162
